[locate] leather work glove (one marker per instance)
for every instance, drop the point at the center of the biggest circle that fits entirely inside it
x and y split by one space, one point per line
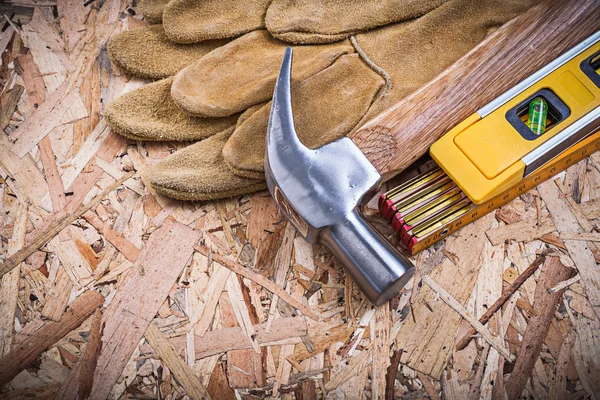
385 65
304 21
149 113
176 178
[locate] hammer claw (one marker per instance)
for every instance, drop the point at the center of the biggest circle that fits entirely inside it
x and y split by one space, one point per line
321 193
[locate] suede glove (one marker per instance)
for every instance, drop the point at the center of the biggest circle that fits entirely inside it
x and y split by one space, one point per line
304 21
204 161
149 52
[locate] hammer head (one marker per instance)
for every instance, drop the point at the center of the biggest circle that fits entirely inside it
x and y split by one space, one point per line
321 191
314 188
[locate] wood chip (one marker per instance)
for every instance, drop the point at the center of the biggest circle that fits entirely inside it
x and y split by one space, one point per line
55 226
78 384
46 117
27 352
11 283
545 304
427 338
226 339
184 374
523 231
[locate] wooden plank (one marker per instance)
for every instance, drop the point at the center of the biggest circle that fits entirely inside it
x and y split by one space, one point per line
138 299
27 352
183 373
566 221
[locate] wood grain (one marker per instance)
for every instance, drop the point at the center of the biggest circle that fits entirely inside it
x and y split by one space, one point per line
500 62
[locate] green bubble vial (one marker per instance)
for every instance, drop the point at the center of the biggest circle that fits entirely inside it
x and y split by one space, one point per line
538 112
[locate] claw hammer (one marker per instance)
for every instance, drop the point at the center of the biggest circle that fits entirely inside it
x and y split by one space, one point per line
322 192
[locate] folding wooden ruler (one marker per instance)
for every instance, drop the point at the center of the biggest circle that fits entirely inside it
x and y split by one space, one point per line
535 130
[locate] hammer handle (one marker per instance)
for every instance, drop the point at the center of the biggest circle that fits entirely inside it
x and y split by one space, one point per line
400 135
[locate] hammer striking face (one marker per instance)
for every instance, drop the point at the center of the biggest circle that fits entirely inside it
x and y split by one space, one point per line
321 192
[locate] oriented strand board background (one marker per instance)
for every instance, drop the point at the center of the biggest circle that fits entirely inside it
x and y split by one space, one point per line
115 291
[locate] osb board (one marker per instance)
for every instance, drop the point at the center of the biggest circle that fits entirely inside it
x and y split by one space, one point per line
287 320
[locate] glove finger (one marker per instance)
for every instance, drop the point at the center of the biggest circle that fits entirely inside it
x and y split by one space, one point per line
326 21
326 107
147 53
199 172
192 21
149 113
242 73
152 10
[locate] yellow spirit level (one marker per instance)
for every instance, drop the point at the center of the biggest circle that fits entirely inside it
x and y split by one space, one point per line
530 133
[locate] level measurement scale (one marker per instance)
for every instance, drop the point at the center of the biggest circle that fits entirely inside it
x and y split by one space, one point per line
474 211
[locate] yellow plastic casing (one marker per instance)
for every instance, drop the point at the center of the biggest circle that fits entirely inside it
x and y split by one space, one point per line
483 155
